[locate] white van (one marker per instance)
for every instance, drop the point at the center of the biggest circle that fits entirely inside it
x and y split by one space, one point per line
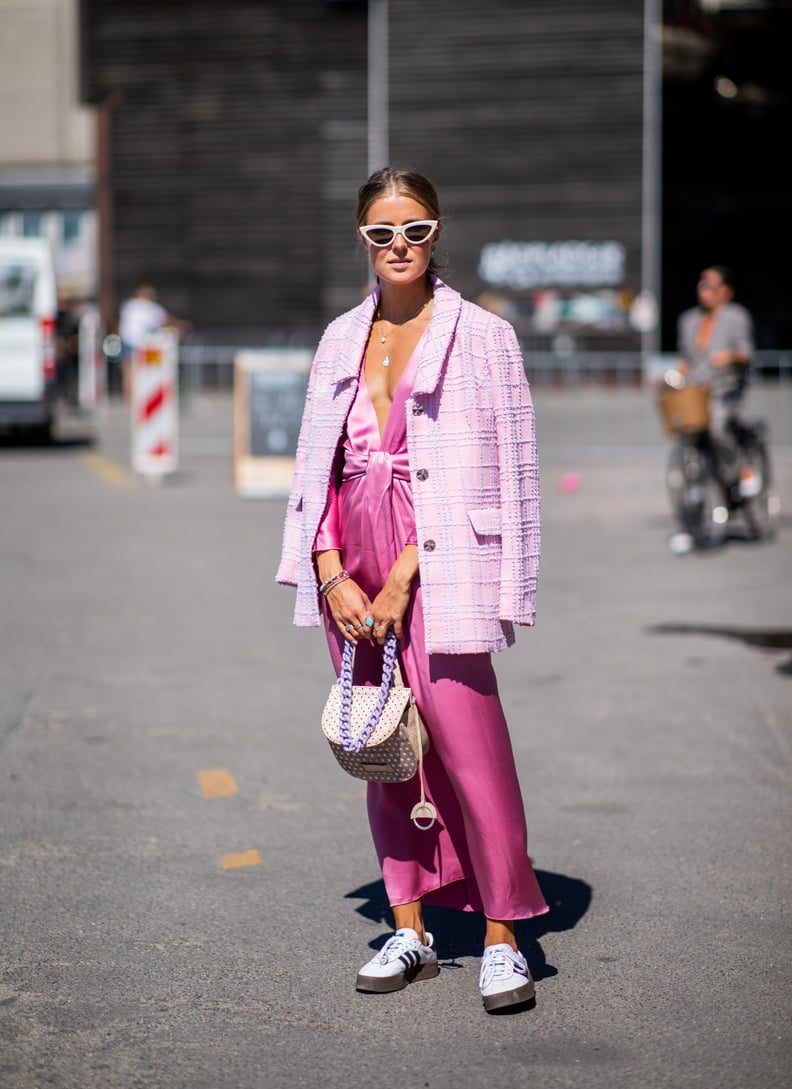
28 311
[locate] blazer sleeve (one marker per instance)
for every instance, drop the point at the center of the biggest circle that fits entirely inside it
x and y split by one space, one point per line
741 339
515 431
288 569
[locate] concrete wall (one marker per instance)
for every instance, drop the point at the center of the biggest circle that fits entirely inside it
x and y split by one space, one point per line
42 122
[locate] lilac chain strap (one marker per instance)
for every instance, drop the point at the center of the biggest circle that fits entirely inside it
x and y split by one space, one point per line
348 743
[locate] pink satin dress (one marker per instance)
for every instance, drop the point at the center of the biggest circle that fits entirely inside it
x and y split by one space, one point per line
475 856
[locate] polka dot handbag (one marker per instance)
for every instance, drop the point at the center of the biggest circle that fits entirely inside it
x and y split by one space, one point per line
377 733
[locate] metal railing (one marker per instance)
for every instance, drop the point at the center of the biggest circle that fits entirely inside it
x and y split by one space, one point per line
603 401
204 367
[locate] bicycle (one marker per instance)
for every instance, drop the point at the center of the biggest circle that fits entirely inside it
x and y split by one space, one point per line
702 503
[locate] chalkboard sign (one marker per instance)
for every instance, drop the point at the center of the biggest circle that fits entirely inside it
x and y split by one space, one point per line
276 400
269 395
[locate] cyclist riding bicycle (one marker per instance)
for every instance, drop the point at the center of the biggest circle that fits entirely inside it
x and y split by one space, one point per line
715 344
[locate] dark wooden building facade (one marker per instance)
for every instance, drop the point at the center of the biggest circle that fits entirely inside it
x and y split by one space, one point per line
233 138
221 126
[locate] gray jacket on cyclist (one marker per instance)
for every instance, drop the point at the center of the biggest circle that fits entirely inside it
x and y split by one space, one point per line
733 329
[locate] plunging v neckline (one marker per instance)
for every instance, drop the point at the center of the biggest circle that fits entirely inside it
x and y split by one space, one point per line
399 395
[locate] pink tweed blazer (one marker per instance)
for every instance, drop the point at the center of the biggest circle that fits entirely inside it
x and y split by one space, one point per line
472 456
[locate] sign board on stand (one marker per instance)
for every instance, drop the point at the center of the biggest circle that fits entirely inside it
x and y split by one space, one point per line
155 405
269 396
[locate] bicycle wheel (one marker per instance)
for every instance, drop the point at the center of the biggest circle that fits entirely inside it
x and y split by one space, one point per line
695 494
761 511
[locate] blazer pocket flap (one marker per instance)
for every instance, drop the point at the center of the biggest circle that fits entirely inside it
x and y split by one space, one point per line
486 522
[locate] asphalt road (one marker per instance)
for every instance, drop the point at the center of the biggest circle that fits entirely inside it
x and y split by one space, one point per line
153 935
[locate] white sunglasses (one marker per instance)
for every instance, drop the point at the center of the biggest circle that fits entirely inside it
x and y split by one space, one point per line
382 234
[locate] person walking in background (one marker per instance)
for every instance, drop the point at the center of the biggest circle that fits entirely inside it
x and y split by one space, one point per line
415 506
67 347
139 317
715 344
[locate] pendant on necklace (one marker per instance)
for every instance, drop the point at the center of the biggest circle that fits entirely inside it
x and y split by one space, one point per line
386 361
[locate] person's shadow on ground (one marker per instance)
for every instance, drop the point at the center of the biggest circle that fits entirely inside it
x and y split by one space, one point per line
460 933
770 639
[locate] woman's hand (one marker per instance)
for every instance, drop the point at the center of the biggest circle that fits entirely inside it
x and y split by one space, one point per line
390 604
350 608
348 605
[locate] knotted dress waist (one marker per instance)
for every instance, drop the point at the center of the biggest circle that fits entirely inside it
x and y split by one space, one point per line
376 515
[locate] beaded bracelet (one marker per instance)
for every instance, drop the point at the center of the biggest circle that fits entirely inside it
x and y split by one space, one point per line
331 584
334 580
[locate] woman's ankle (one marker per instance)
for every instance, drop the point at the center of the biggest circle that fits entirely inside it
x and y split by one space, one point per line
500 932
410 915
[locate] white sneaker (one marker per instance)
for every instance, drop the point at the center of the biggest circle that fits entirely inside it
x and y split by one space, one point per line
504 979
750 485
402 959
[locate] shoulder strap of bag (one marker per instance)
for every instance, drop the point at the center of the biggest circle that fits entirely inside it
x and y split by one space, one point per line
349 743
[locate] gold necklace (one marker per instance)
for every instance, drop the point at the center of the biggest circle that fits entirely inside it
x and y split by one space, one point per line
404 321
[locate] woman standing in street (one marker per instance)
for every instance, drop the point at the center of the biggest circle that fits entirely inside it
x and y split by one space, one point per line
415 506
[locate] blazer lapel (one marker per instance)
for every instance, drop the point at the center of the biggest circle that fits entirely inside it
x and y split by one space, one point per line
445 314
352 337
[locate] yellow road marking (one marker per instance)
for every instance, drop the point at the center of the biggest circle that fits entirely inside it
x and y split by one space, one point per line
220 783
247 858
107 470
217 783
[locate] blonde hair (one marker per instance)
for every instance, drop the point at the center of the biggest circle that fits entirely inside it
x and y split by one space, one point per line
407 182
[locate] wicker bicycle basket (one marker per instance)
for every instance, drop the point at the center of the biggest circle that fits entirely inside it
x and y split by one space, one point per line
685 409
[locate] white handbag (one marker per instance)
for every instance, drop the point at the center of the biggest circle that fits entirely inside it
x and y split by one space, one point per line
377 734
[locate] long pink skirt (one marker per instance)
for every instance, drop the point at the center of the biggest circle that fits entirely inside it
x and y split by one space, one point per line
475 856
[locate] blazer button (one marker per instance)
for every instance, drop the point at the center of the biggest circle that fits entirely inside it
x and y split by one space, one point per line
429 546
423 474
417 409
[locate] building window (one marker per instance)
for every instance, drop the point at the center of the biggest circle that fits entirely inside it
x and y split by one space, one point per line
72 227
32 224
